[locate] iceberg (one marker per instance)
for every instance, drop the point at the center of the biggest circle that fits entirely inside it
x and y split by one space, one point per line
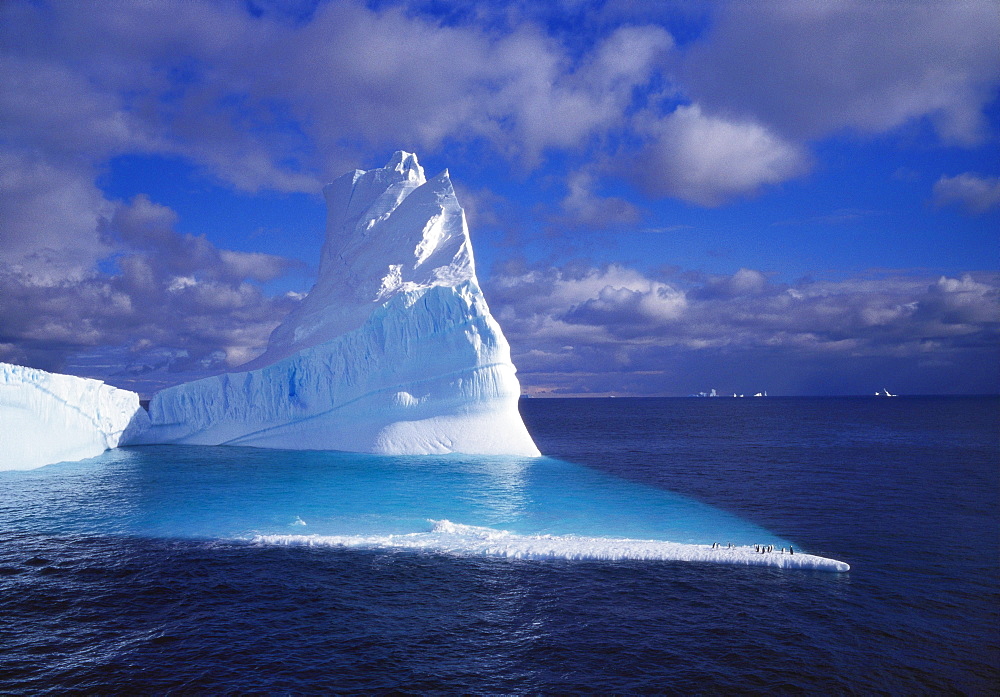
393 351
47 417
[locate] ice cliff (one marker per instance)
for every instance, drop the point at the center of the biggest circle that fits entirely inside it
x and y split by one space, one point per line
393 351
47 417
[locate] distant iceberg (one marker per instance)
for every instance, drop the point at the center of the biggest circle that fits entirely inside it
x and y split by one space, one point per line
393 351
48 417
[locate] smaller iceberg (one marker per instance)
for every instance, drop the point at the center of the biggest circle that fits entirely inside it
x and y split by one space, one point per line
48 417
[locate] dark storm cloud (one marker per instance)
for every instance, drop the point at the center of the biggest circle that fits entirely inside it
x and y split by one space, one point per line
623 328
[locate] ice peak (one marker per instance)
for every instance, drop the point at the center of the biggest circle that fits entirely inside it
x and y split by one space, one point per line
406 164
394 350
389 231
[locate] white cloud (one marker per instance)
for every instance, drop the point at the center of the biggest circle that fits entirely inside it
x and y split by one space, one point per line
50 215
810 69
975 193
576 328
267 103
172 294
583 207
707 160
262 102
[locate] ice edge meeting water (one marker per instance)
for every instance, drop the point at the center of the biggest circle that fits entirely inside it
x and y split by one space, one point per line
484 505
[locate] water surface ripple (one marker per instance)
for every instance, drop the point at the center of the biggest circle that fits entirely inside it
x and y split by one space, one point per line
904 490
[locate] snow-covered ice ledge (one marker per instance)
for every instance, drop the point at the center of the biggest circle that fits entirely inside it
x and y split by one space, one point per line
446 537
48 417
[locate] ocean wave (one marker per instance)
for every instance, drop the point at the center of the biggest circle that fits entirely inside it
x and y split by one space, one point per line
446 537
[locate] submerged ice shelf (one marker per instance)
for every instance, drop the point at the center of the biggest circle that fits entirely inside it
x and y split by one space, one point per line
446 537
498 505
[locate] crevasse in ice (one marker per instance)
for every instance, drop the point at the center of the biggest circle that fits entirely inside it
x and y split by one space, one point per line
47 417
393 351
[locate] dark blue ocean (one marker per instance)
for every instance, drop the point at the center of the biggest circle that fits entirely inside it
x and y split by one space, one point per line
208 570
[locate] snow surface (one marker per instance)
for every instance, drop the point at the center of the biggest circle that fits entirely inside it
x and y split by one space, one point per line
446 537
393 351
48 417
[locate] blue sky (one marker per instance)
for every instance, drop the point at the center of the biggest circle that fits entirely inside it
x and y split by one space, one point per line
664 198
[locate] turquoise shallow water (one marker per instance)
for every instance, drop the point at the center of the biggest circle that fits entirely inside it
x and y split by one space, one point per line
225 492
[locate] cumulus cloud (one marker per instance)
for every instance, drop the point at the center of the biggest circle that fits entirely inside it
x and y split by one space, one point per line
144 226
707 160
50 215
269 100
583 207
975 193
264 102
263 99
173 300
546 102
809 69
575 329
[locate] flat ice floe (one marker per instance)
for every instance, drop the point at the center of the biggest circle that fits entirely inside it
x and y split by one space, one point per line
446 537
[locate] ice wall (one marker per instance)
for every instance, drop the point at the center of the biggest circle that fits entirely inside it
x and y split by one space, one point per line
48 417
393 351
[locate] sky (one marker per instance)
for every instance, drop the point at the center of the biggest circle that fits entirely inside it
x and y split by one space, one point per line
664 198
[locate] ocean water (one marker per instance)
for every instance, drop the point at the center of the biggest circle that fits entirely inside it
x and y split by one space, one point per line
189 569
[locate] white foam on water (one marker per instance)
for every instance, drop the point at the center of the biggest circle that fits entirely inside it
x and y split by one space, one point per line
446 537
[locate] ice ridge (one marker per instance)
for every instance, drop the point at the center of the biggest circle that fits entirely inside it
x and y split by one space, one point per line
446 537
393 351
